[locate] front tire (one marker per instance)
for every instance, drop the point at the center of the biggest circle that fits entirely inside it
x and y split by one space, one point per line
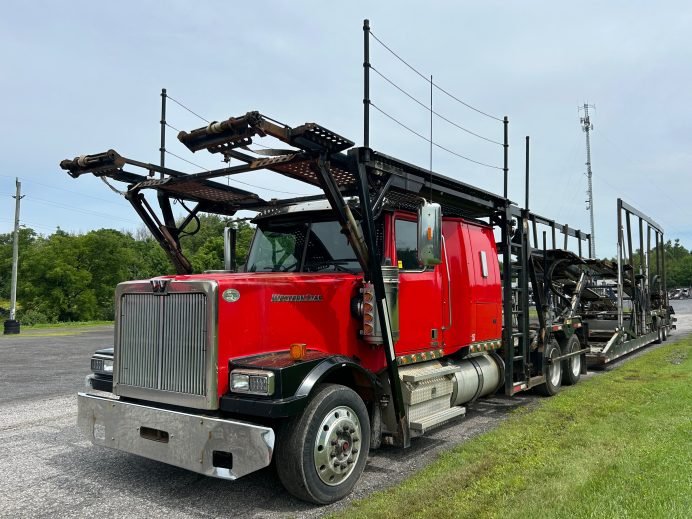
322 451
553 371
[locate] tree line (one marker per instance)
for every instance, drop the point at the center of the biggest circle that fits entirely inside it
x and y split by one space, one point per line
72 277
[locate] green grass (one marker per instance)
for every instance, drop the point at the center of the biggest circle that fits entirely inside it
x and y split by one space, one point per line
617 445
76 324
57 329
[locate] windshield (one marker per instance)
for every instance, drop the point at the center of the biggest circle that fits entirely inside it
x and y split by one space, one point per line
301 247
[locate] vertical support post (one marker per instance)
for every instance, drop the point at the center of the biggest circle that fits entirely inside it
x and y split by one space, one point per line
507 299
663 268
648 254
630 255
579 242
366 83
12 325
658 254
505 168
552 229
431 133
373 273
527 174
641 246
565 230
164 202
620 253
162 148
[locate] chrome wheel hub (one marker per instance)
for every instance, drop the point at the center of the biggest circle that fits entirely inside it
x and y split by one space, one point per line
337 445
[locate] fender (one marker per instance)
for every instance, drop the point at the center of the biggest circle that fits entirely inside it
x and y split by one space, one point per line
295 382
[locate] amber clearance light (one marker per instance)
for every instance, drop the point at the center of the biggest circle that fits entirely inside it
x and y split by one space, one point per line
297 351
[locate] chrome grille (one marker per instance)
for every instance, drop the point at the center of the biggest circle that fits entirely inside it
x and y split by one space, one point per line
163 342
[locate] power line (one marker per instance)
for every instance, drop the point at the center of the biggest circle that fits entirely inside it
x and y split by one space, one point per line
171 127
427 80
410 96
236 180
65 190
426 139
186 108
76 209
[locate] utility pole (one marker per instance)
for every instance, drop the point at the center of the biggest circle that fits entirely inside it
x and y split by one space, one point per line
12 325
586 126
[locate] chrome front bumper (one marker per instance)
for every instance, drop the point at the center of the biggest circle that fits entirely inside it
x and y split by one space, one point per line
226 449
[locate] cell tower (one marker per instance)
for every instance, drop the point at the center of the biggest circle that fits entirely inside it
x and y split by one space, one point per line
587 127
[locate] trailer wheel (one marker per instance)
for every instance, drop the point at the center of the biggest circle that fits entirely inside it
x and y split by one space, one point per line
322 451
571 367
553 371
664 333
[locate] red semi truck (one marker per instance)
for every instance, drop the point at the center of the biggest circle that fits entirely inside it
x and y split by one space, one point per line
369 314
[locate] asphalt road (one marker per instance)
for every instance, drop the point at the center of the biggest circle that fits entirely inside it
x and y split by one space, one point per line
49 470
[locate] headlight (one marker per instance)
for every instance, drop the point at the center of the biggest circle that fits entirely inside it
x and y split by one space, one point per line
252 381
102 365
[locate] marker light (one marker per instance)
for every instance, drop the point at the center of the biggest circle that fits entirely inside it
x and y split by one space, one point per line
297 351
368 309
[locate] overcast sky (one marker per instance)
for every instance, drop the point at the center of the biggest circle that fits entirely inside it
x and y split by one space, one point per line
82 77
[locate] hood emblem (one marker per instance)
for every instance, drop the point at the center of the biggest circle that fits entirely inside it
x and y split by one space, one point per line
159 286
230 295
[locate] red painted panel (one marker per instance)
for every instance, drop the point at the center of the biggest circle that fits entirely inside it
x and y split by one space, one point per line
474 299
254 324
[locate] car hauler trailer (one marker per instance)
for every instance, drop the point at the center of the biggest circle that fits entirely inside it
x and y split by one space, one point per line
369 314
626 305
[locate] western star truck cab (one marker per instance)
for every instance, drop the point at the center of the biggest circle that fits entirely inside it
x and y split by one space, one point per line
368 314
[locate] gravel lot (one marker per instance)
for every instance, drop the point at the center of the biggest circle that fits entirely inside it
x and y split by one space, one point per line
50 470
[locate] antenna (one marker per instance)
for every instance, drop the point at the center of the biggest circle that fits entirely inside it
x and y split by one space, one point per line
587 126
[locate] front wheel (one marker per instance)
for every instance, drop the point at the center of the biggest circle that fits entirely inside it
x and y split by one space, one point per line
322 451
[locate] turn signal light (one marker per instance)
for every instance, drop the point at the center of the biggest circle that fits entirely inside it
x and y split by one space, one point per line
429 233
297 351
368 309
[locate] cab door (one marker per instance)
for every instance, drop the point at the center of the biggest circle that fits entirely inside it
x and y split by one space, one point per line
420 292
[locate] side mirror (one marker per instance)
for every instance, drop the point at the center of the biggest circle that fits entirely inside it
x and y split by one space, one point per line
429 234
230 235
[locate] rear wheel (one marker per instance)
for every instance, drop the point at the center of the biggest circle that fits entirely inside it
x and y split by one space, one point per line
322 452
664 333
571 366
553 370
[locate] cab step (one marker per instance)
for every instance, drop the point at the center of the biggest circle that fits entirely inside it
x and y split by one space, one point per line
427 423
